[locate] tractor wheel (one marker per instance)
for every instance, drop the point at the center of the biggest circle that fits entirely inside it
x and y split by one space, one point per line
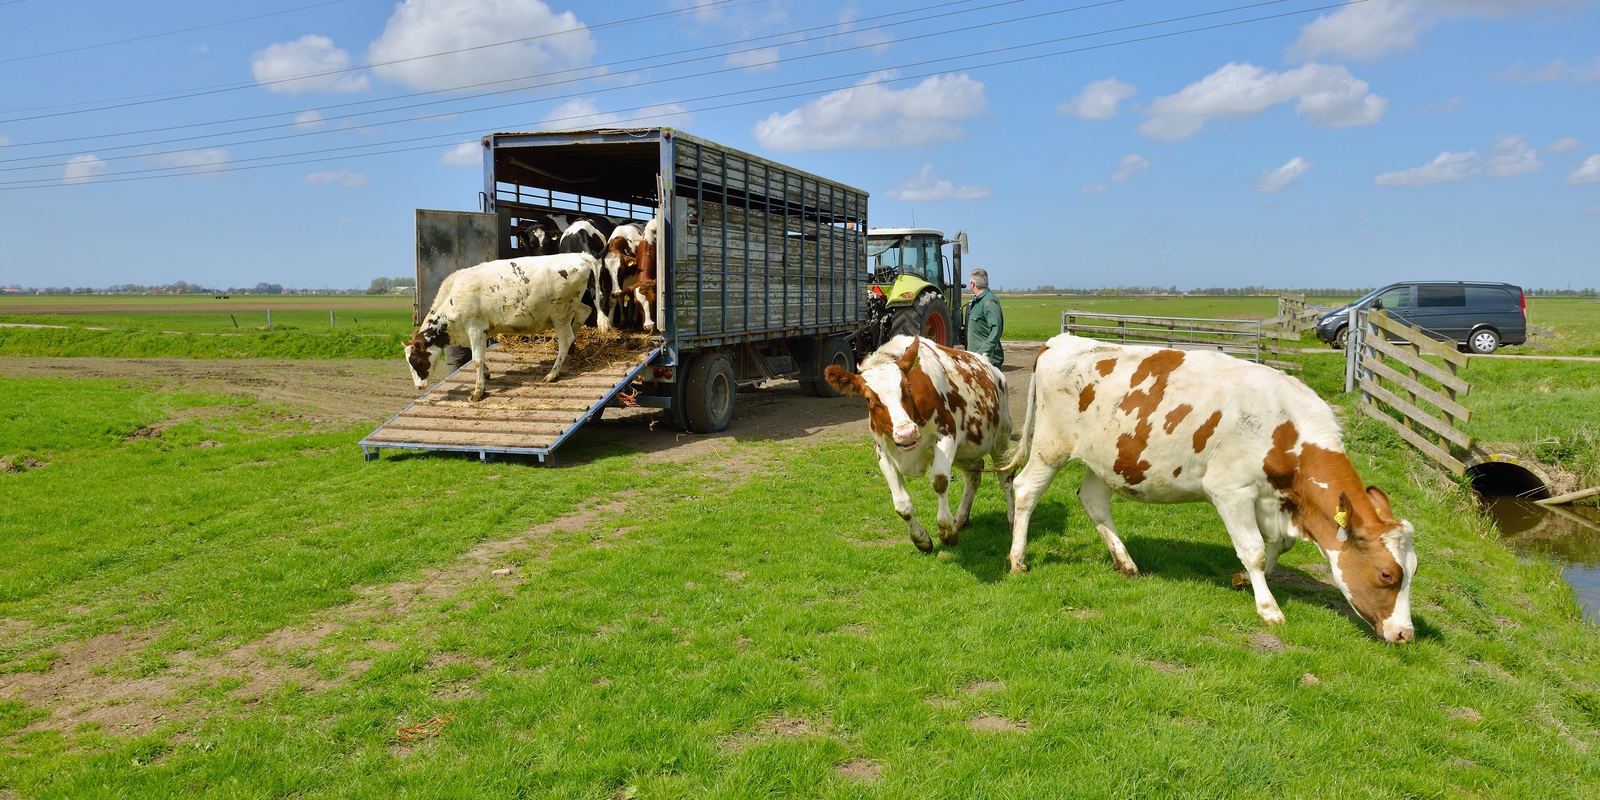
929 316
833 353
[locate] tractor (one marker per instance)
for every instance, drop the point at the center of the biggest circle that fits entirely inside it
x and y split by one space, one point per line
914 289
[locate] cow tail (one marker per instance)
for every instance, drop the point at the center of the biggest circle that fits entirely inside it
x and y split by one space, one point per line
1019 455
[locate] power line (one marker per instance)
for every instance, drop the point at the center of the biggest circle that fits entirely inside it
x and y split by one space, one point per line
170 33
557 97
538 75
231 87
169 172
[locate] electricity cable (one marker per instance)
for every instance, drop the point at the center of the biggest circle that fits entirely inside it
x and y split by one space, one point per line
171 33
188 170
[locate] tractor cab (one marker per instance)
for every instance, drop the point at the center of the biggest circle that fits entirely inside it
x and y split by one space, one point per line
914 287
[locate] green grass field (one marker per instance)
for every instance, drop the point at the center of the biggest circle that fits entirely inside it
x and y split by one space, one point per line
190 314
741 624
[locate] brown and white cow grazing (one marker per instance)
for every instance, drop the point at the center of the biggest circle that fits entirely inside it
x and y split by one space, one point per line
932 408
517 295
1166 426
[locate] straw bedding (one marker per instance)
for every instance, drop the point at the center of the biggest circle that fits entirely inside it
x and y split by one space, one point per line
592 350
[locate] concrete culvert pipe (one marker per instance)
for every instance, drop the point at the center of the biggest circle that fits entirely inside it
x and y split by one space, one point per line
1501 475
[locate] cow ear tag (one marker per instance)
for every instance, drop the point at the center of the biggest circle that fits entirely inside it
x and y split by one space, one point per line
1342 517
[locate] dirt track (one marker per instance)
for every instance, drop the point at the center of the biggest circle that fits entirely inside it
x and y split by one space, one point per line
342 394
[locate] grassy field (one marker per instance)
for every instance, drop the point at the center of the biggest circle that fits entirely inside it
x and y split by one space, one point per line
132 343
748 623
191 314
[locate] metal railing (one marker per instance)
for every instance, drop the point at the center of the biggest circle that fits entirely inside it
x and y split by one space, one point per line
1260 341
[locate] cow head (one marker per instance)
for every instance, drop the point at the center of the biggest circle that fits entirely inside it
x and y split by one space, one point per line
900 396
421 358
620 260
1372 560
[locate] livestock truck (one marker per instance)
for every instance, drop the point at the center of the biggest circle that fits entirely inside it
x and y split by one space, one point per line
763 269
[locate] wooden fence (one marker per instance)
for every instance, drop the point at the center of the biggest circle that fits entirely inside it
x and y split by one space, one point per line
1386 361
1261 341
1537 337
1296 315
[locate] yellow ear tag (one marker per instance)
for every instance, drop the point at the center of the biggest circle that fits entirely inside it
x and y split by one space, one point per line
915 362
1342 519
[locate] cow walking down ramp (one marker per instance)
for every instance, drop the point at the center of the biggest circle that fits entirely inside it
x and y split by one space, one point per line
516 295
932 409
1166 426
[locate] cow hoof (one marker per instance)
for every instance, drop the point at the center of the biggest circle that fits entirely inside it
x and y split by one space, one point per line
1017 569
1273 617
1130 571
950 538
476 396
551 378
1240 580
924 544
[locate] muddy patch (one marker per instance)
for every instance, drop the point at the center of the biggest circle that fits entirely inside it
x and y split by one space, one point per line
997 724
863 770
777 727
19 464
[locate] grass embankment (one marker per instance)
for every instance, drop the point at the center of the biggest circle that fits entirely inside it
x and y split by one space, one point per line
79 342
729 628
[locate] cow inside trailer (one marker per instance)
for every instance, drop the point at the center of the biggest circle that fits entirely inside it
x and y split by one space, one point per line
762 269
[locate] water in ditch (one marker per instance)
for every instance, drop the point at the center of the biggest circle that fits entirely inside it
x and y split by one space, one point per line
1568 534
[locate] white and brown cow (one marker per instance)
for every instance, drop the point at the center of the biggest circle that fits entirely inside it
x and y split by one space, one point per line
619 270
644 291
932 408
516 295
1166 426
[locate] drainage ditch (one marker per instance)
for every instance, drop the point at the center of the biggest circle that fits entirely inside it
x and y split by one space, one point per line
1569 534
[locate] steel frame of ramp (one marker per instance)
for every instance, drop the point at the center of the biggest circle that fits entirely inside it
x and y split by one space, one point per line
546 454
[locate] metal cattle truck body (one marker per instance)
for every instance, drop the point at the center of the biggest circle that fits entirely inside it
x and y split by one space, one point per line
762 269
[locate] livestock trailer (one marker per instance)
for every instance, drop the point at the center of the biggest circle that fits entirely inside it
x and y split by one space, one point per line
762 267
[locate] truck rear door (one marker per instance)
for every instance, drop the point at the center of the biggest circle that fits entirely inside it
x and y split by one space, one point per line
448 241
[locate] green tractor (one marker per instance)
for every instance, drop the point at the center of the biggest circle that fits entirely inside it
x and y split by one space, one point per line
915 290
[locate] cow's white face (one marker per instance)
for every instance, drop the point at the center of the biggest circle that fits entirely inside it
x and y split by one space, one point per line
421 360
900 397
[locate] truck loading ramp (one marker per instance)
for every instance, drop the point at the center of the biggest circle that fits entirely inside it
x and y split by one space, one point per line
519 413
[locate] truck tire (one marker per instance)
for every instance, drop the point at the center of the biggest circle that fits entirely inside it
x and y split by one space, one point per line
929 316
676 418
708 396
833 353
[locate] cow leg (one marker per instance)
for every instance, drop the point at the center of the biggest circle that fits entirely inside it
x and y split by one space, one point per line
944 456
564 339
1095 494
1031 484
1238 511
478 338
902 502
972 475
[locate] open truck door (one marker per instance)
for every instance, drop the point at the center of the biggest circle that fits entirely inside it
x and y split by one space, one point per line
448 241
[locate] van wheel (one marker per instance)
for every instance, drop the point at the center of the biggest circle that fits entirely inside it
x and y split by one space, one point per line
1483 342
1342 338
708 399
834 353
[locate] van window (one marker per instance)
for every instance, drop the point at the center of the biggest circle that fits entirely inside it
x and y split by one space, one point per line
1491 299
1441 296
1398 297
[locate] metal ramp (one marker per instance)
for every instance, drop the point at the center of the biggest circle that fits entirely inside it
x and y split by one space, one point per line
519 413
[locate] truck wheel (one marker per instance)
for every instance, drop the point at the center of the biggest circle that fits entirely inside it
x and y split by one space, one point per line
834 353
929 317
708 397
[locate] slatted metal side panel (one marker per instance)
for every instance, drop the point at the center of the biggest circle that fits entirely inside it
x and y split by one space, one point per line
761 249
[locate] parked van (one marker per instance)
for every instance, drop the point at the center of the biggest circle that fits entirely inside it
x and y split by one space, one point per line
1475 316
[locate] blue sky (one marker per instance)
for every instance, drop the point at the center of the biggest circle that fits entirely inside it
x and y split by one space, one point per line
1376 141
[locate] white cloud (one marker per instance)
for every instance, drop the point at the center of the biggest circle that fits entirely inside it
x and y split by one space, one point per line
1447 168
1587 172
5 141
1453 104
343 177
1511 156
82 169
1375 28
468 155
1131 165
579 113
1592 210
193 161
1327 95
1098 100
308 55
870 115
756 60
424 27
1563 145
925 188
1557 70
1276 180
308 119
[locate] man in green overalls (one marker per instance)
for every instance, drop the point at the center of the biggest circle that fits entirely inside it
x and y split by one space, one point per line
985 323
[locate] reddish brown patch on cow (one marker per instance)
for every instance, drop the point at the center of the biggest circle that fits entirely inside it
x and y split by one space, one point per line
1039 355
1129 449
877 413
1158 368
1279 464
1203 433
921 401
1176 416
1104 367
1177 472
1085 398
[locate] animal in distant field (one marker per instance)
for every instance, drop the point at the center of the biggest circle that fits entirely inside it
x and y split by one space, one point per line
1168 426
932 409
511 296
